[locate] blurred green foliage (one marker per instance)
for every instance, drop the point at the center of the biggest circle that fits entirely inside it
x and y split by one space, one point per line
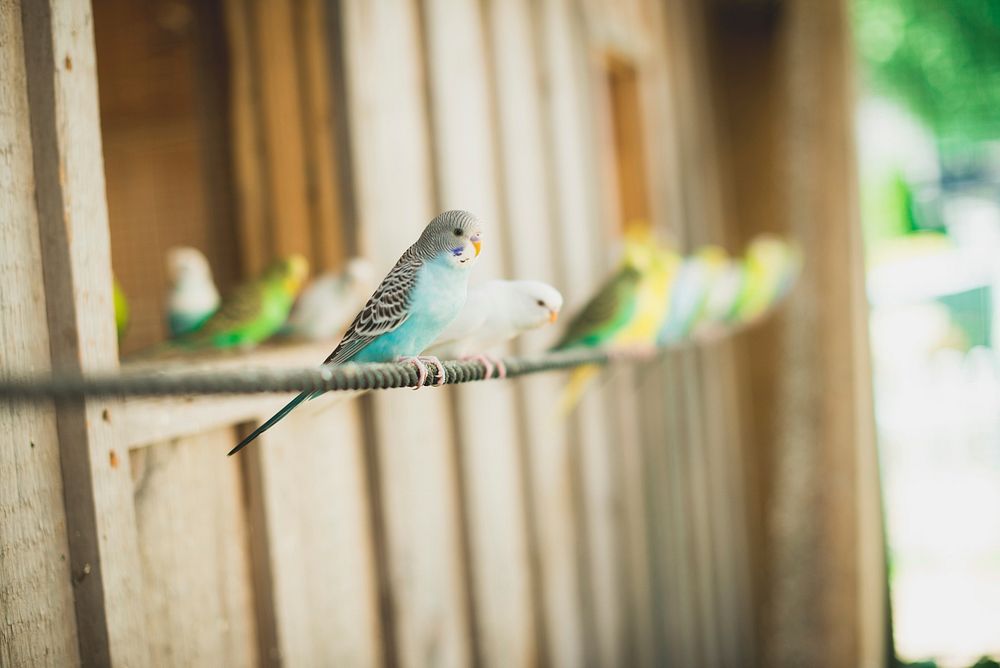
888 209
939 58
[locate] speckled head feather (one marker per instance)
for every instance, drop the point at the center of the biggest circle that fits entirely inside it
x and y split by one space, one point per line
457 232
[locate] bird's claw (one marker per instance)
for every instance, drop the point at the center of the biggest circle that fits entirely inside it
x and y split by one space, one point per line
421 363
489 363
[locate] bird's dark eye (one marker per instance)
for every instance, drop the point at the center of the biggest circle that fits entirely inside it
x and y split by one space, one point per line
540 302
457 231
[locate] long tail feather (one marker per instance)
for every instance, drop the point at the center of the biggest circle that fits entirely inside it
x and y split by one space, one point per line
274 419
579 380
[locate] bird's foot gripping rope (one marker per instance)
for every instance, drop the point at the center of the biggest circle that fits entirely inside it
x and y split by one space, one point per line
421 362
489 364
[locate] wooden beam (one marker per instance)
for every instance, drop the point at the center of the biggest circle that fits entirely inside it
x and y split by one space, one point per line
75 249
36 598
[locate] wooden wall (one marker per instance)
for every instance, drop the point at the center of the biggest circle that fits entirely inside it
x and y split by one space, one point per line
462 526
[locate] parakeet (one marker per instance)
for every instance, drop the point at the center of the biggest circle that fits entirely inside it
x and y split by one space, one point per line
328 302
494 313
687 296
255 311
628 310
725 283
421 295
193 296
771 267
122 312
608 311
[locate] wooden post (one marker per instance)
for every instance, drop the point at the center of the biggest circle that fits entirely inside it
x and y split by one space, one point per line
784 103
75 250
37 623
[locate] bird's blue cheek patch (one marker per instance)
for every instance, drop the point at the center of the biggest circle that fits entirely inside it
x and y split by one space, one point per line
457 250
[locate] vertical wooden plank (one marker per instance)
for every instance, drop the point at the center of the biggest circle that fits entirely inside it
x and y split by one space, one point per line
564 522
491 472
599 520
195 552
283 147
284 157
392 164
617 89
319 123
73 228
252 199
723 615
670 556
319 555
665 429
723 439
524 154
635 586
36 597
587 245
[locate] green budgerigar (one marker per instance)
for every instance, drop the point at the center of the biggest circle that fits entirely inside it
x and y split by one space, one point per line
609 310
254 311
616 313
123 314
772 265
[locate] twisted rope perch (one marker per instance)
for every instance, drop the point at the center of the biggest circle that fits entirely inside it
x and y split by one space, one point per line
254 381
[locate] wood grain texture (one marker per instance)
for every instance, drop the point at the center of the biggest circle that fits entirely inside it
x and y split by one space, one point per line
37 623
678 567
144 420
631 530
622 132
464 141
527 203
248 144
289 185
587 245
674 612
319 555
75 248
415 467
198 602
571 628
810 423
321 122
275 45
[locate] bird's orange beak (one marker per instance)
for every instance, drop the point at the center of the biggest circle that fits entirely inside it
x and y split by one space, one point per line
477 244
553 316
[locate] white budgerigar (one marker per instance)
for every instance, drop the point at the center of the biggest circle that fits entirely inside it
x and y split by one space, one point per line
329 302
494 313
193 296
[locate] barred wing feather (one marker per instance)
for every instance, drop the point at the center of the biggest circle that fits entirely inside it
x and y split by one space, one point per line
385 311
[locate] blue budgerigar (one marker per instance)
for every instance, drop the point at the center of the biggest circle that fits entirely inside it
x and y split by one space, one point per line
415 302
